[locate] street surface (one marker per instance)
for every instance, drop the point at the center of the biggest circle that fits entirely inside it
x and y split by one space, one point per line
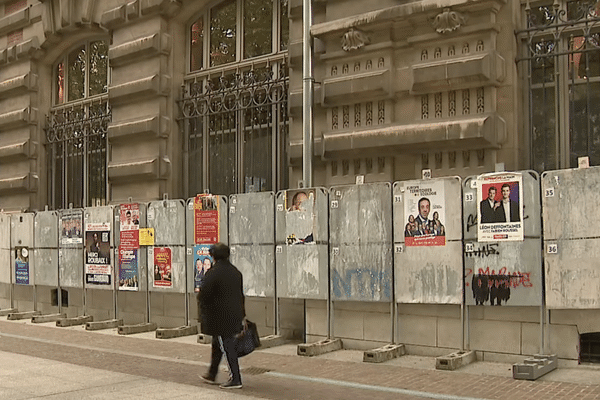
44 361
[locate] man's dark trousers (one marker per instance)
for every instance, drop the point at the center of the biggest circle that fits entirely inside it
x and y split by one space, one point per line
228 345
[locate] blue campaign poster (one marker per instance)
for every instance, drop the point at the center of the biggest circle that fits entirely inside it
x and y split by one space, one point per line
22 265
202 263
128 269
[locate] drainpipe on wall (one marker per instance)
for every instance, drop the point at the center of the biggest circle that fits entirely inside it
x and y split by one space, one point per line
307 96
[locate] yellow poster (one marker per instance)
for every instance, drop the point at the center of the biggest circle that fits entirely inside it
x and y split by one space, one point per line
147 237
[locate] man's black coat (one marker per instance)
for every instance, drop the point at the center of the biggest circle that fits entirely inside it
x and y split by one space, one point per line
222 300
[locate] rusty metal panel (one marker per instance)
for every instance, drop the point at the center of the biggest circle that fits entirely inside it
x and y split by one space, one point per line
45 253
70 267
71 254
252 240
301 255
571 243
167 218
99 271
573 273
428 262
505 272
257 265
360 221
252 218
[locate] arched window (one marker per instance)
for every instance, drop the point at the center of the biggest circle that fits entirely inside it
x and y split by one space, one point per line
76 140
234 104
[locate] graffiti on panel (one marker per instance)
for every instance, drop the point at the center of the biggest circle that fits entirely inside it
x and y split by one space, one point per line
483 251
495 286
361 283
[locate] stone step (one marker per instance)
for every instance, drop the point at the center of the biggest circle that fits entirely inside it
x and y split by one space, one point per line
99 325
139 328
321 347
169 333
384 353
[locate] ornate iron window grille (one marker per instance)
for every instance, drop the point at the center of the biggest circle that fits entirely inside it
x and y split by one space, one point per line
561 60
236 127
76 153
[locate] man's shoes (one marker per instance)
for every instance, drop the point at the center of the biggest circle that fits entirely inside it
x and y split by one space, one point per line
209 379
231 385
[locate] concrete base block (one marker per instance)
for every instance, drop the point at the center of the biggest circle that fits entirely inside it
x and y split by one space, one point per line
6 311
168 333
271 341
321 347
99 325
81 320
22 315
204 339
533 368
37 319
139 328
384 353
455 360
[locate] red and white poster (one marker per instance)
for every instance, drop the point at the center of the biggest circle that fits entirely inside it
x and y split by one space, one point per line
206 219
425 211
161 263
129 227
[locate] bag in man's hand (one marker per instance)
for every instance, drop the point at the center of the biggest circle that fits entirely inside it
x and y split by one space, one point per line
247 340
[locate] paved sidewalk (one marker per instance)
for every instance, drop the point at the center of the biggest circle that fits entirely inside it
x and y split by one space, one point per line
75 363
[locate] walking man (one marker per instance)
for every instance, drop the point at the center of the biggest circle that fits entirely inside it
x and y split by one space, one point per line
222 314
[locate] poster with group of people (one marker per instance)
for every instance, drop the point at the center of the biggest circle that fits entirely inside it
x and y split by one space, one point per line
71 232
129 244
425 211
206 233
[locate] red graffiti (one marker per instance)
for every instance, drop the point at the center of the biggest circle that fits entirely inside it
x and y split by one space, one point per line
514 279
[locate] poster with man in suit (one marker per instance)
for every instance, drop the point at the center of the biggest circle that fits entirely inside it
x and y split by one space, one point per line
500 211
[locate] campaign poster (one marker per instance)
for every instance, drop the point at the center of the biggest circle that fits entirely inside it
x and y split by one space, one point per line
500 207
202 263
300 205
129 226
425 212
98 270
161 266
206 219
128 269
71 232
22 265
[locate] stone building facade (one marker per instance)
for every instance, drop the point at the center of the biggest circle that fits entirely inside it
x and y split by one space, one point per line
103 101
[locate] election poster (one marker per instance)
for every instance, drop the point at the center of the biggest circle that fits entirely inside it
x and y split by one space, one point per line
21 265
500 207
425 212
98 270
128 269
206 219
161 262
300 205
129 226
202 263
71 232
